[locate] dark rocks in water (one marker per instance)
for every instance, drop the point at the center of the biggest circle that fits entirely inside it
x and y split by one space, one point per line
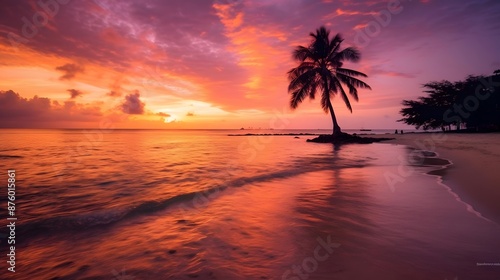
274 134
345 138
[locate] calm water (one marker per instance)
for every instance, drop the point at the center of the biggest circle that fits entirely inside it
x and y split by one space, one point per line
144 204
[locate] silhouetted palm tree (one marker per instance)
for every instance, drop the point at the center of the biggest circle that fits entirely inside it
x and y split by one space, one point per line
321 69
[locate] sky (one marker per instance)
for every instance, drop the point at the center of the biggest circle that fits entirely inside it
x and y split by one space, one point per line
223 63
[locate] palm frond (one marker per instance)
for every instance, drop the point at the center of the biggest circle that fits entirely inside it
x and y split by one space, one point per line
349 54
320 46
353 91
350 72
299 94
299 70
335 43
302 53
301 80
325 97
353 81
342 93
312 90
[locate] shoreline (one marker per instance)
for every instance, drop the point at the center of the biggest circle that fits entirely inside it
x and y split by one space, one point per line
472 174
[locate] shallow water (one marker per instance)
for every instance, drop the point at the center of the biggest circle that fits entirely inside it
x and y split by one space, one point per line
144 204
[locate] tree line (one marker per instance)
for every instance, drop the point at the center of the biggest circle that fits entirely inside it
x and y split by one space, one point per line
472 104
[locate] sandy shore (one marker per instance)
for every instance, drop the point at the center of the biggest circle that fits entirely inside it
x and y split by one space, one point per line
474 175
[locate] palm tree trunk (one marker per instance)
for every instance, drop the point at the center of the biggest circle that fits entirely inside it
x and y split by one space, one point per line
336 127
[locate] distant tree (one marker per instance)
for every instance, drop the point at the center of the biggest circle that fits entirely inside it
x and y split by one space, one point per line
321 69
416 113
473 103
496 72
427 112
482 114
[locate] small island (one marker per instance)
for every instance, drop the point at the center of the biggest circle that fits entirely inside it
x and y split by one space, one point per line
346 138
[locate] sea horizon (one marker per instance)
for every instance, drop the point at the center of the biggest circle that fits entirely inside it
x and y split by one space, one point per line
277 130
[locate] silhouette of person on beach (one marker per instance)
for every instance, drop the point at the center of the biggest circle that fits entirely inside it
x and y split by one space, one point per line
396 131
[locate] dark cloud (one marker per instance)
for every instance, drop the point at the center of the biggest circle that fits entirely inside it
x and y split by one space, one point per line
14 106
161 114
74 93
114 93
132 104
189 114
16 111
70 70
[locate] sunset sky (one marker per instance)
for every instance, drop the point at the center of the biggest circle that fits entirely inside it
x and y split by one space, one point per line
223 63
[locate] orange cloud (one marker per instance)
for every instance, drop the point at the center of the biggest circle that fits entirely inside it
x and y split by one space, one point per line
361 26
229 18
341 12
260 51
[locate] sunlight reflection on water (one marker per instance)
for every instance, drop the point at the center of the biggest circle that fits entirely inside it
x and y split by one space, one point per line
129 203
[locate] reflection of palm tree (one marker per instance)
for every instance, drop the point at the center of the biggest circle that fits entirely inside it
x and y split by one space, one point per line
321 69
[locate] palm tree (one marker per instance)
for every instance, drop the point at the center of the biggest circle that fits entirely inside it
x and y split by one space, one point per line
321 69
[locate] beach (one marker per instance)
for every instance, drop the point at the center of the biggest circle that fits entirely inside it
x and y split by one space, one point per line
474 173
199 204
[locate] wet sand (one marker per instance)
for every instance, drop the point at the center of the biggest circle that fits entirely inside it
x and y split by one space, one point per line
474 174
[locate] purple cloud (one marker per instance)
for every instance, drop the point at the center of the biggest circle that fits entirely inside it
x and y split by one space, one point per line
70 70
133 105
114 93
74 93
17 111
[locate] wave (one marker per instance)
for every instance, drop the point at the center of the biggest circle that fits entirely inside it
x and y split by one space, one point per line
9 156
185 200
98 218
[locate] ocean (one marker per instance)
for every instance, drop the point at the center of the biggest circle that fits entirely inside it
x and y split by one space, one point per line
199 204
